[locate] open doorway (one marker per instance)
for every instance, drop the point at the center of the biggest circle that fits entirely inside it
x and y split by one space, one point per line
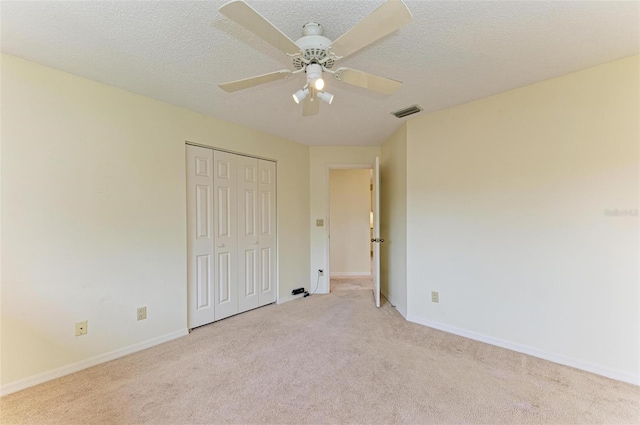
350 229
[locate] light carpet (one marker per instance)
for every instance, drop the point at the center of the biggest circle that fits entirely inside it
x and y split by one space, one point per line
325 359
351 283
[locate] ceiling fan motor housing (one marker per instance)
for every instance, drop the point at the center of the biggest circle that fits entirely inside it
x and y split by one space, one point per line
314 45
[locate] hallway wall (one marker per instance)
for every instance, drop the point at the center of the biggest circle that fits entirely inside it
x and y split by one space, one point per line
350 204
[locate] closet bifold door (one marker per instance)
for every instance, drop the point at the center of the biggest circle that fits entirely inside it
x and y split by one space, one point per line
200 267
248 237
225 219
267 231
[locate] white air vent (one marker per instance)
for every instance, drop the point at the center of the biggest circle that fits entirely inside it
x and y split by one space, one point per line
407 111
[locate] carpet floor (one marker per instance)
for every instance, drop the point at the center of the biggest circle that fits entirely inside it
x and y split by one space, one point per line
351 283
320 360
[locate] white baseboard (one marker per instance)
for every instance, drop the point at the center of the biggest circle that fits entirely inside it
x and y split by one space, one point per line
350 274
524 349
395 304
84 364
289 298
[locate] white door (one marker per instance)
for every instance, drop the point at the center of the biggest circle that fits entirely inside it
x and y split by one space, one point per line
267 229
377 239
248 237
200 269
226 236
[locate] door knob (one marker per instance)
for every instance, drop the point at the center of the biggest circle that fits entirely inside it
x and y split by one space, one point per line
377 240
220 245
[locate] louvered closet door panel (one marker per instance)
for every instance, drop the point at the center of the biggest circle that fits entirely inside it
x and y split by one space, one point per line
200 254
248 238
225 219
267 231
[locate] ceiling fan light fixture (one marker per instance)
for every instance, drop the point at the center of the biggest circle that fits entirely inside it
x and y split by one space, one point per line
300 95
314 76
326 97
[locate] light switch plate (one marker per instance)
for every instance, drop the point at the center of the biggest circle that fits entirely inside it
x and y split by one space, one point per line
319 222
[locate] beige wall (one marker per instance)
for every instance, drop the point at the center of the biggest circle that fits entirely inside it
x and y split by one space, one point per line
506 211
94 217
393 219
350 204
321 158
504 199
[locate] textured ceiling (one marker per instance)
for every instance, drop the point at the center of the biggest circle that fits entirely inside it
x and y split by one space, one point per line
452 53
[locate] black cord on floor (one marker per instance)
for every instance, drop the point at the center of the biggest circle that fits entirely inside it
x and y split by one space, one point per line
317 281
306 294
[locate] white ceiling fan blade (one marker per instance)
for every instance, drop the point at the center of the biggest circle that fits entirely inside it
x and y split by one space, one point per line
368 81
255 81
246 16
387 18
310 107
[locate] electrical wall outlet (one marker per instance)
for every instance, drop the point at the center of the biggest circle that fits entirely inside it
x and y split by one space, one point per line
81 328
435 297
320 272
142 313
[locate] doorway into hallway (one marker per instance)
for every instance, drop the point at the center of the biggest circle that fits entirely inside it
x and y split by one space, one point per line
350 228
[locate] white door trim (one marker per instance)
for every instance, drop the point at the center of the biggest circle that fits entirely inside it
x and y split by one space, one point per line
200 145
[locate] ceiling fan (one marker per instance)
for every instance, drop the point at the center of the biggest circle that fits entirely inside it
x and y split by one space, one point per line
315 54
